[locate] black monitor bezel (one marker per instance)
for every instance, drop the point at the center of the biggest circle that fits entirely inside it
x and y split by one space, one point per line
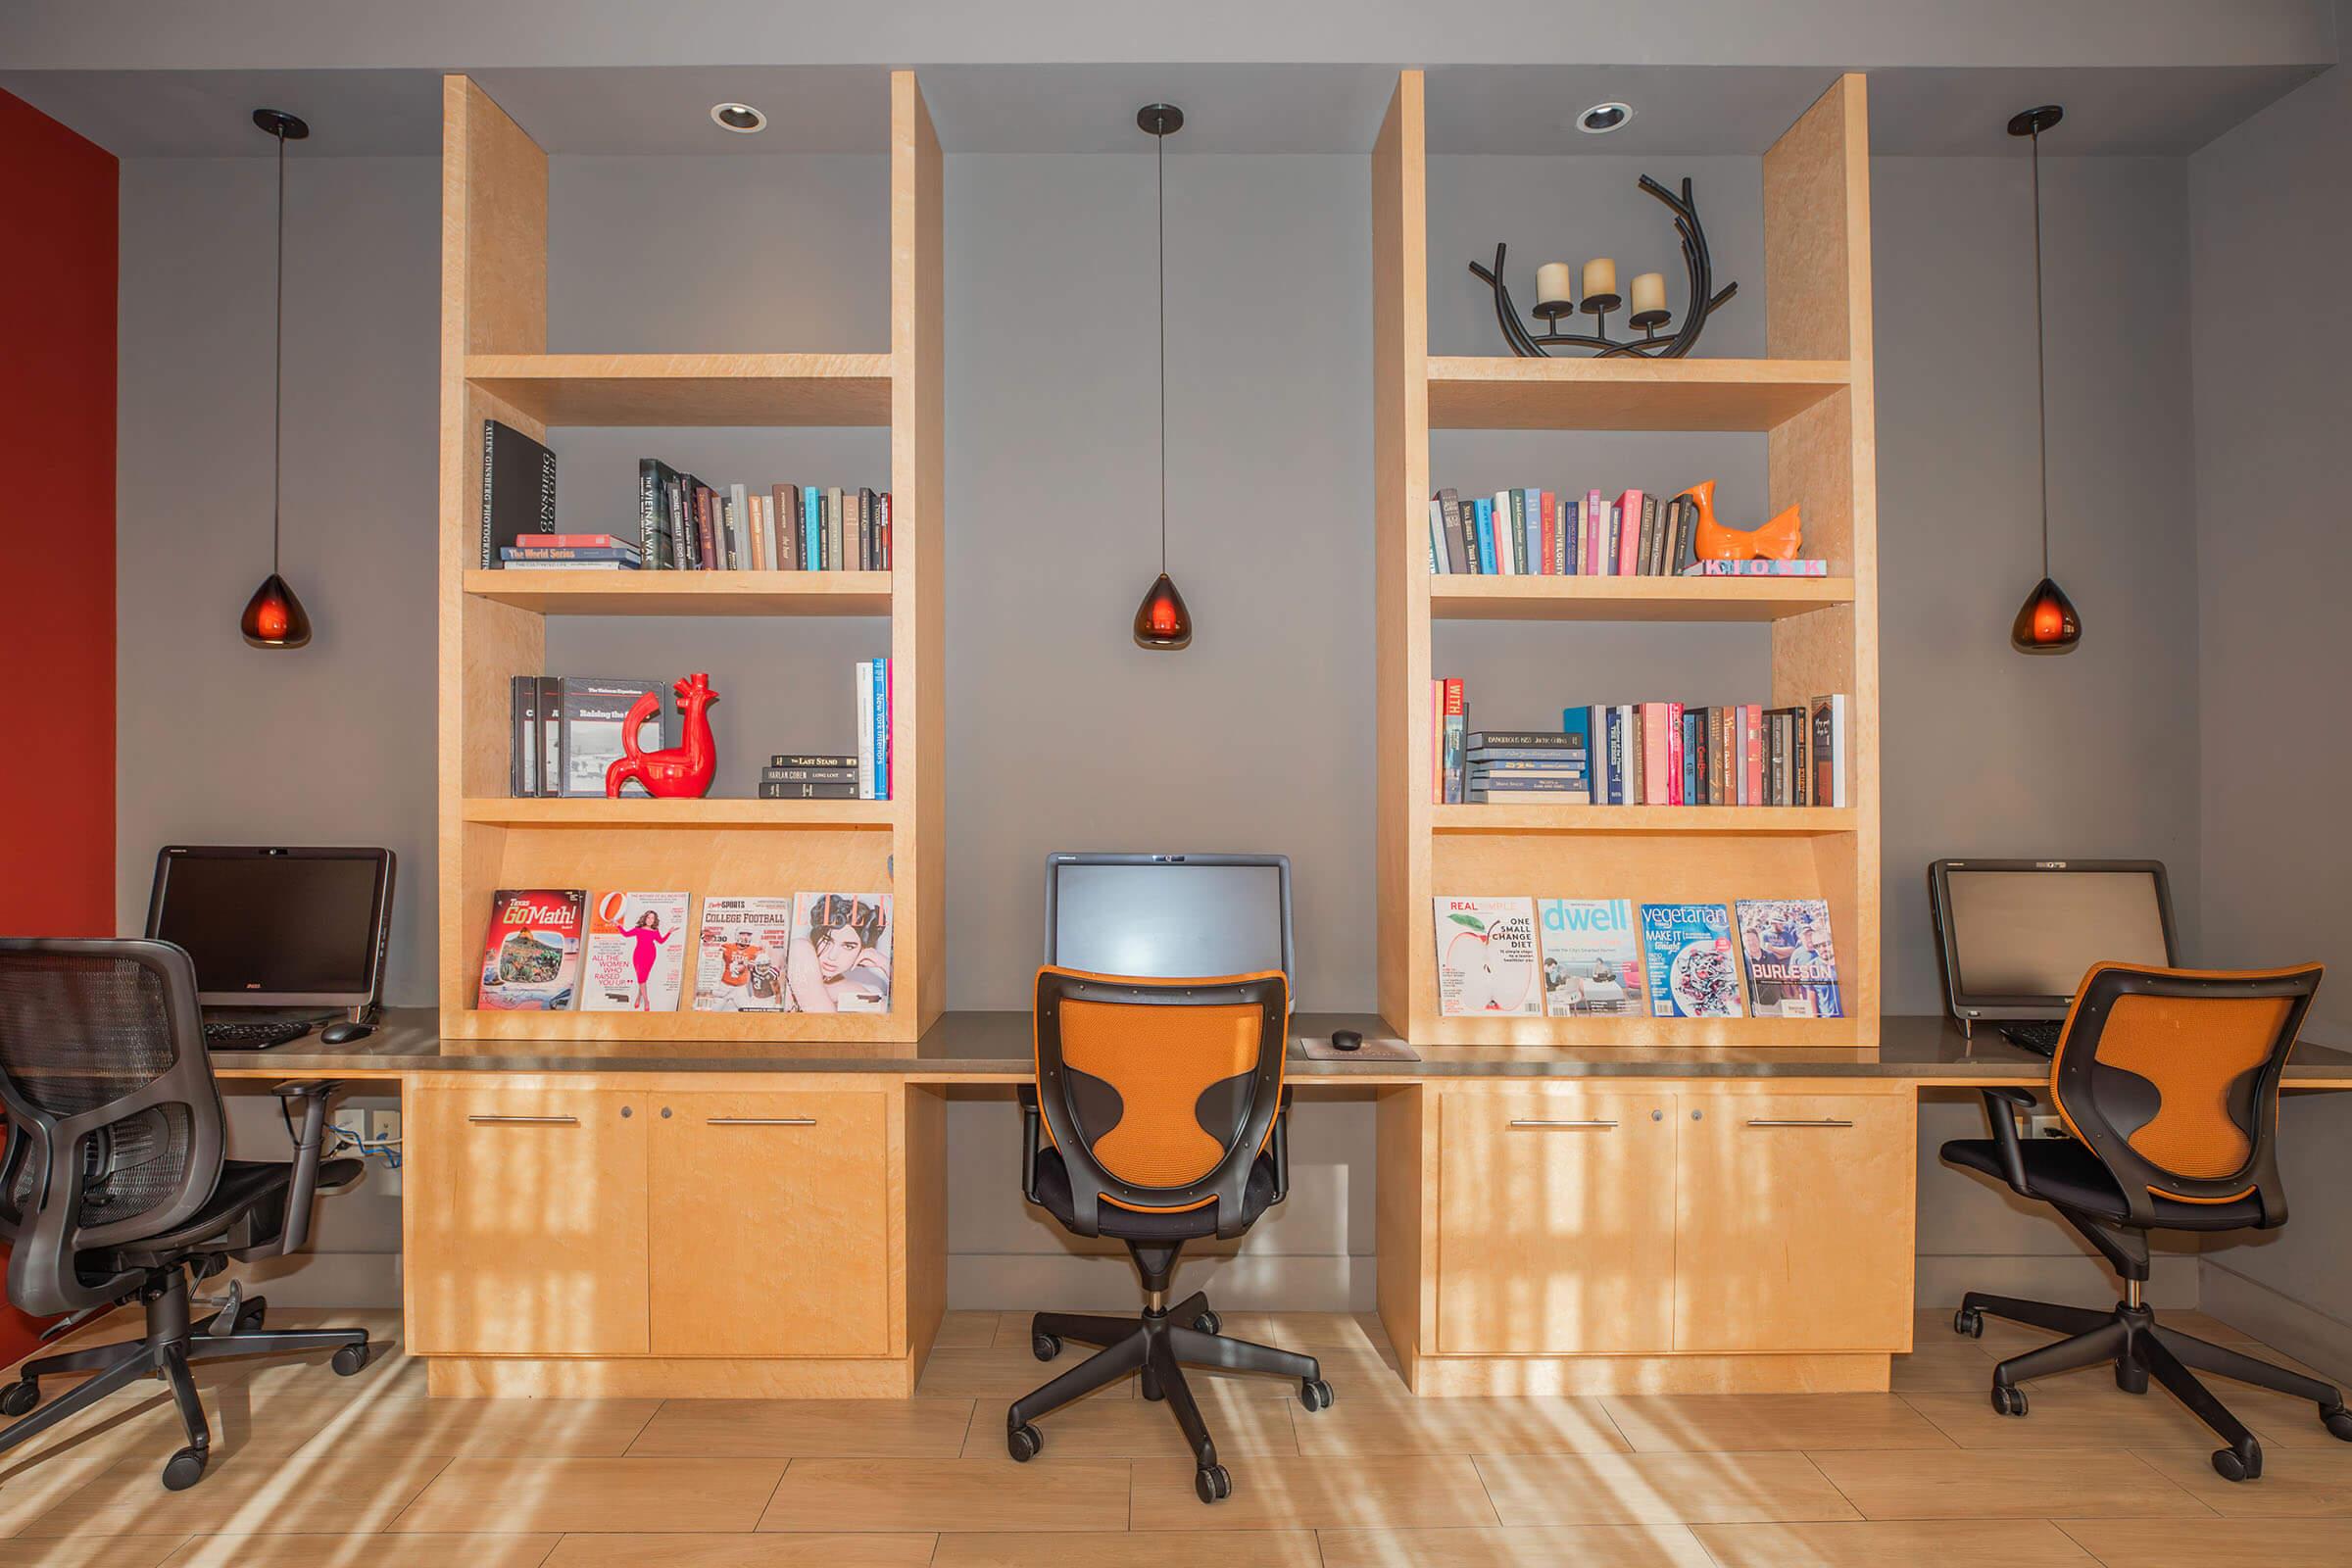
1279 863
380 916
2008 1009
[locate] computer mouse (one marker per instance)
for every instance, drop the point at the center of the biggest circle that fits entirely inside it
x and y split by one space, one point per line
343 1031
1346 1040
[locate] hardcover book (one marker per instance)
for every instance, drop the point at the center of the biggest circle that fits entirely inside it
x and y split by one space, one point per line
1829 747
839 960
1486 964
1452 741
635 961
1693 971
531 951
1591 957
519 489
1792 964
739 954
589 712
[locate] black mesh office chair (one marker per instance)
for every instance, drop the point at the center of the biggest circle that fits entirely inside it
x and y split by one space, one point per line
114 1186
2169 1081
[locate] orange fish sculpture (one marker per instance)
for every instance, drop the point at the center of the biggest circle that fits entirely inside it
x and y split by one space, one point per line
1777 540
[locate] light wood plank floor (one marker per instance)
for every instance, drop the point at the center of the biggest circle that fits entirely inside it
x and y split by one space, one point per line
317 1470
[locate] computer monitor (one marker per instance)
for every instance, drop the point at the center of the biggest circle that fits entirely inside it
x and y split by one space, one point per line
1169 916
2017 936
272 927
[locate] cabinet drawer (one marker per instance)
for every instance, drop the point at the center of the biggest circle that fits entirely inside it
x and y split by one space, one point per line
1555 1223
1794 1221
771 1224
526 1222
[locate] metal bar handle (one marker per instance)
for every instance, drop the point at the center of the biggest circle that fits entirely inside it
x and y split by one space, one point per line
1540 1123
1798 1121
760 1121
533 1121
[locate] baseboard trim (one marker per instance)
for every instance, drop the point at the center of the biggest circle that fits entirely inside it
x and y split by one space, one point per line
1438 1377
641 1377
2277 1319
1250 1281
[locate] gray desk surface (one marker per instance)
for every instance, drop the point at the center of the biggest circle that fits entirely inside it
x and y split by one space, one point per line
994 1048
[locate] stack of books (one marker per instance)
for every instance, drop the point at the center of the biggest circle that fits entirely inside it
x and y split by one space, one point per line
1540 533
810 776
1527 768
571 552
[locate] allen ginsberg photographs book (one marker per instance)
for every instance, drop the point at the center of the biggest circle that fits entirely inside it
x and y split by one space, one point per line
840 956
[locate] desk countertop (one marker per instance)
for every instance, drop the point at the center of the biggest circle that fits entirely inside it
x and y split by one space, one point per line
980 1048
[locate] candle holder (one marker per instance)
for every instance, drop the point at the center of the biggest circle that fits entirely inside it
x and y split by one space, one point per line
1705 297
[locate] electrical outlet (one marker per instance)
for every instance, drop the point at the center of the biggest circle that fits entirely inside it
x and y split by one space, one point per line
2045 1124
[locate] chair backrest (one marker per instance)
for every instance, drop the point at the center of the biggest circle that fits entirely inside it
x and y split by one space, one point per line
2171 1076
1159 1093
114 1118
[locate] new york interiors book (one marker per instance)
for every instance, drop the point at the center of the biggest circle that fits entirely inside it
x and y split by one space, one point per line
1592 958
1487 958
635 961
1693 969
1791 965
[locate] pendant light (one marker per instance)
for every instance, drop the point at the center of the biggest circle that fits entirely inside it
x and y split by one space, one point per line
1162 621
273 618
2046 622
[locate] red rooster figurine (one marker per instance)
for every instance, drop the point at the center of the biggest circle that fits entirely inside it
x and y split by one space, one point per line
682 773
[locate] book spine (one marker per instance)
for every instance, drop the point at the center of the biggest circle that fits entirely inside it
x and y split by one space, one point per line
1506 537
1436 738
1590 527
1653 523
1629 538
864 693
887 530
1547 532
1437 538
1645 548
649 509
1457 725
807 532
1482 511
518 724
889 694
771 790
1657 755
813 759
489 464
547 492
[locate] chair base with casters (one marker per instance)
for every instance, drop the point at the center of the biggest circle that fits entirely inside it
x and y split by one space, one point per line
171 1347
1156 1346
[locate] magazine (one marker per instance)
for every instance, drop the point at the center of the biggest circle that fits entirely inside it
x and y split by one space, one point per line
1694 973
635 961
1792 966
840 958
739 957
1591 957
531 951
1487 958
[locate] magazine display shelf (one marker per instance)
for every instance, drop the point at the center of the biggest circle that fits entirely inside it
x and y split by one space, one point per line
494 365
1812 398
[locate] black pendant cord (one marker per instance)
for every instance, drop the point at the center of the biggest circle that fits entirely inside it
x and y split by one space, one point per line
2041 375
1160 150
277 384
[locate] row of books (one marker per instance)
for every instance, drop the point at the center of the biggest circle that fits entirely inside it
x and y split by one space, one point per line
1596 959
1534 532
796 952
1643 753
686 524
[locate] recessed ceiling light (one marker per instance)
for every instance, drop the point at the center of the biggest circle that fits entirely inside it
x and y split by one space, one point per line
742 119
1602 119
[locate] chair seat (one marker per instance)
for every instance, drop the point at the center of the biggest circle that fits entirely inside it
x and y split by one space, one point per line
2064 1171
1151 1225
246 1210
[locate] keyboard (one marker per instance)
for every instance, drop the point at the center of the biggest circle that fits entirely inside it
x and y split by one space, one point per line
2038 1035
254 1034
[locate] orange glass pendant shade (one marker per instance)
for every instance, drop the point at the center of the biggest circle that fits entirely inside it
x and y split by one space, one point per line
1161 623
273 618
2046 622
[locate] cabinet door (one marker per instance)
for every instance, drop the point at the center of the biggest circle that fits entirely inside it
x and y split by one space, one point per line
770 1217
1795 1222
526 1222
1556 1221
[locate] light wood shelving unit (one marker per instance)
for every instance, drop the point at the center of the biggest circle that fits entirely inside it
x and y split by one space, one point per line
1812 398
495 365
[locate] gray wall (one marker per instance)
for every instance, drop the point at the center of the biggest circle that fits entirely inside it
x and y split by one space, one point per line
1062 733
2272 219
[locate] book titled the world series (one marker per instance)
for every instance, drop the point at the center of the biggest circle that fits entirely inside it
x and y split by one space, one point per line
531 951
1486 964
1591 957
635 959
739 954
1792 964
1693 969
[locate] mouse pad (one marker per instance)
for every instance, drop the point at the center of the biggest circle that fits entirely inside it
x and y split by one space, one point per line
1318 1047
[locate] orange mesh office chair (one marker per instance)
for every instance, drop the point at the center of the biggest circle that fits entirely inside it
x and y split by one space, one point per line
1158 1115
2169 1081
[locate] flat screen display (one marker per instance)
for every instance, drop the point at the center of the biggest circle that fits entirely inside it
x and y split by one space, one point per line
262 925
1168 921
2037 933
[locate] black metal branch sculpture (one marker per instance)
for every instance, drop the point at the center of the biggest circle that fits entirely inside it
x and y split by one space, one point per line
1705 298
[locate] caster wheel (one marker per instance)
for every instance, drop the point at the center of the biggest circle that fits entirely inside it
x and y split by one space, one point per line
349 1359
2233 1465
1023 1442
251 1317
1208 1322
2338 1420
1315 1393
1969 1321
1045 1347
185 1469
2008 1401
19 1397
2130 1376
1213 1482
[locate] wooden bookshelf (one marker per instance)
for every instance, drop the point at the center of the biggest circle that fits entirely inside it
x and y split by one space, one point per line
495 365
1812 398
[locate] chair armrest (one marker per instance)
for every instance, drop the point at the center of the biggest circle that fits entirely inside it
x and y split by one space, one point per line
309 1142
1282 1147
2001 1105
1029 1141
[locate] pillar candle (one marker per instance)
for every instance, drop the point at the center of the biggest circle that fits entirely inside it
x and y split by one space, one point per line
1601 277
1551 283
1649 292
